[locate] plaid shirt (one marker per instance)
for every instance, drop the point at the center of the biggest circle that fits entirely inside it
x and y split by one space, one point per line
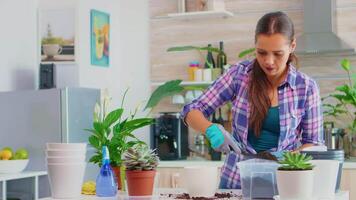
300 113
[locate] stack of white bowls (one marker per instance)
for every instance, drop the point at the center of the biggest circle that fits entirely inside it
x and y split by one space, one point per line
66 167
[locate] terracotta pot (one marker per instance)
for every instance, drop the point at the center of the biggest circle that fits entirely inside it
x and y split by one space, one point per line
140 183
116 170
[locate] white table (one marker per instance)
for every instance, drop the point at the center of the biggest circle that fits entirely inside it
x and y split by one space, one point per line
342 195
26 174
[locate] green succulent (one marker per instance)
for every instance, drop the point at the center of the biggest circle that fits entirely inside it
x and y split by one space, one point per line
296 161
140 157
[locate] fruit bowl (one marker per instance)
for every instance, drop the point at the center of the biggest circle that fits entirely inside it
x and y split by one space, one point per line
12 166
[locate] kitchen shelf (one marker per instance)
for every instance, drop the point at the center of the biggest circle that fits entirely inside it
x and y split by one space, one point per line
186 83
201 14
26 174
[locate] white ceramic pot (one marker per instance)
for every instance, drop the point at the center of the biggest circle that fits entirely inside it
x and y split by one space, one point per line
66 180
198 75
64 153
51 49
200 181
295 185
67 146
325 176
207 75
59 160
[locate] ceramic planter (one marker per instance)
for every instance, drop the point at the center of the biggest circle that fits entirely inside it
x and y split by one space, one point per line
140 183
295 185
51 50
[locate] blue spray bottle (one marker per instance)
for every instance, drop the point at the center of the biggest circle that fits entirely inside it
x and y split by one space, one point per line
106 182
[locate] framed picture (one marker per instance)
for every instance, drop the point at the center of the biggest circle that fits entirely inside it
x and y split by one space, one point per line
100 38
57 34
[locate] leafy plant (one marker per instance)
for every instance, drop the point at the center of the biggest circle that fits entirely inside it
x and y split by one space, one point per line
140 157
295 161
199 49
169 88
247 53
50 39
345 97
111 130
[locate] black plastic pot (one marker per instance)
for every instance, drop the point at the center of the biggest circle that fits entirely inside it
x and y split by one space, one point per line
330 154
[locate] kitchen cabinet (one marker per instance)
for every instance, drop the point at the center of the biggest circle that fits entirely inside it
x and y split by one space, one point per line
348 182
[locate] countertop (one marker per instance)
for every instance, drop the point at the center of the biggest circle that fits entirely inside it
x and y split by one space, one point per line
342 195
348 164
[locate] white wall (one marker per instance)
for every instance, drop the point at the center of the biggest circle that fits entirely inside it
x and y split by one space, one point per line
129 53
18 56
134 65
129 50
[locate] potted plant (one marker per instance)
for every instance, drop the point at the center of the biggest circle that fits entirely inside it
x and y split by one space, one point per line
51 45
342 103
113 130
141 163
295 177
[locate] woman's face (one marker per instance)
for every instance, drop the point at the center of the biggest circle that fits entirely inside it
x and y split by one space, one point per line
272 52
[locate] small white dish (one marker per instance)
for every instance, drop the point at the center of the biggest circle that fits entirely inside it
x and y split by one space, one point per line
12 166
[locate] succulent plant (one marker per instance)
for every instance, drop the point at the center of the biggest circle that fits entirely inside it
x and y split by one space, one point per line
140 157
295 161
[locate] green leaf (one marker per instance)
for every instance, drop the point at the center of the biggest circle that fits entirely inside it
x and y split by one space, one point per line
112 117
98 127
345 64
94 141
188 48
167 89
137 123
118 127
246 52
95 159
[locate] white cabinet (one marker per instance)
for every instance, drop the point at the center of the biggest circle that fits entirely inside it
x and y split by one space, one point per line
348 182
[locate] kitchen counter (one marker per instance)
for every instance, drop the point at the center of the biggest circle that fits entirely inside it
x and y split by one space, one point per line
348 164
342 195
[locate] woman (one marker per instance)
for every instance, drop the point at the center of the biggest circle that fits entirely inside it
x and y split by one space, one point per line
275 108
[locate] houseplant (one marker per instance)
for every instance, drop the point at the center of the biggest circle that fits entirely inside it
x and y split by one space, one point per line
51 45
295 176
141 163
342 103
113 130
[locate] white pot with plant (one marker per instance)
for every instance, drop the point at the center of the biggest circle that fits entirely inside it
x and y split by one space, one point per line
295 178
51 45
141 163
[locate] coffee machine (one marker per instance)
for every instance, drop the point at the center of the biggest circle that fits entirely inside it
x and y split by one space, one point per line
169 136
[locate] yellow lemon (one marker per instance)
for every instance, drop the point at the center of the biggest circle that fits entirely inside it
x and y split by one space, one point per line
8 148
5 154
89 188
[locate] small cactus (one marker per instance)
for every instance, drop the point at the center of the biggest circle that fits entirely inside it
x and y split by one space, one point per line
295 161
140 157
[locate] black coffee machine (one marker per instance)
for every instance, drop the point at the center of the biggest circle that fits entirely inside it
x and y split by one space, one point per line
169 136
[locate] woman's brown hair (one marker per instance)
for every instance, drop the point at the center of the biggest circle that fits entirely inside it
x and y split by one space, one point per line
270 23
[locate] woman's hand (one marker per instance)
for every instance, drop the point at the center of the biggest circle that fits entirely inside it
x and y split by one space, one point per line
221 140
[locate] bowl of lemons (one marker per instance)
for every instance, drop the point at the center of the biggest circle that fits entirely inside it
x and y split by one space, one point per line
13 161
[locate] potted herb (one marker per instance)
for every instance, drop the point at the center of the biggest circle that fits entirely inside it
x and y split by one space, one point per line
51 45
343 103
113 130
295 177
141 163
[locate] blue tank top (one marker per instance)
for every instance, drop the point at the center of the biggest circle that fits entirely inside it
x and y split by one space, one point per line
269 133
